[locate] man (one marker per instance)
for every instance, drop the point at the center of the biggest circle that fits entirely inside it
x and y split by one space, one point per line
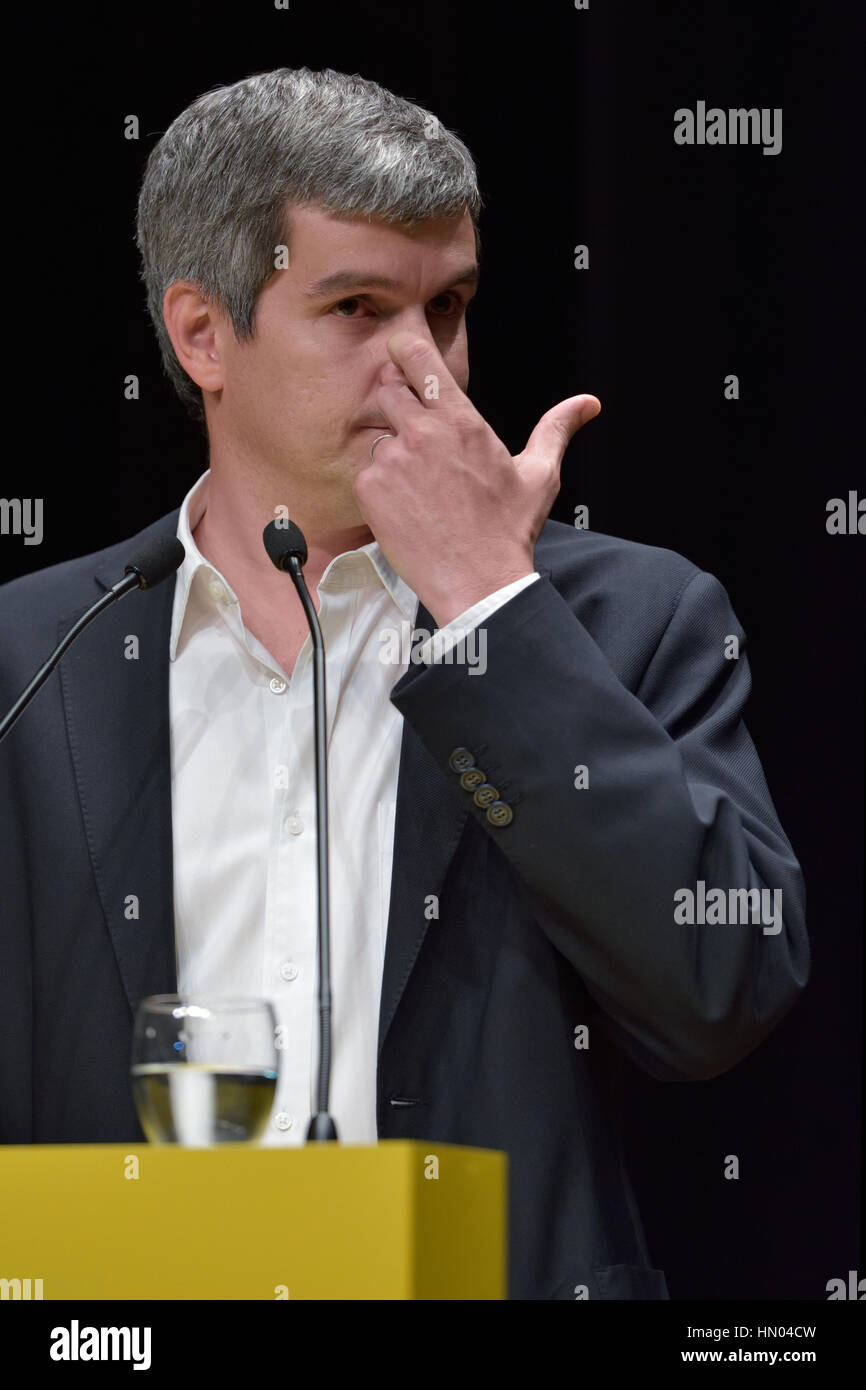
537 828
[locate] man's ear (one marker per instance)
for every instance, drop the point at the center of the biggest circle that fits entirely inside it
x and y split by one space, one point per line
192 323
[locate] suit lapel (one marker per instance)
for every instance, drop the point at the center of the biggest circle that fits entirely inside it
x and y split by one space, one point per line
117 717
427 828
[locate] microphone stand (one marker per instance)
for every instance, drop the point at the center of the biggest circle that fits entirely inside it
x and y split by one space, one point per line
321 1127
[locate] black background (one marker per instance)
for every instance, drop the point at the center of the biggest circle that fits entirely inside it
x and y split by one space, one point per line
703 262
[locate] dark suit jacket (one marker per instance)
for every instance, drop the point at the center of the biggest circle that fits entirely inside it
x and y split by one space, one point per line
614 659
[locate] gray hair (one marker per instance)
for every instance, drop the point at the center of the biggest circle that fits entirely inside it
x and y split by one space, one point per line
218 185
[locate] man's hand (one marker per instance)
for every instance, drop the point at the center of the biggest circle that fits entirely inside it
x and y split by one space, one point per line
456 516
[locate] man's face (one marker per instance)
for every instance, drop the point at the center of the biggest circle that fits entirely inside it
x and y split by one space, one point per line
299 399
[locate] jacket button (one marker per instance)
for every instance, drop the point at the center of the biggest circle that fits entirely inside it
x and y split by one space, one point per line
500 813
472 778
486 794
461 760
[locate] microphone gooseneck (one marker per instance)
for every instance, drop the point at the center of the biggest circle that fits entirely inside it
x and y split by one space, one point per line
149 566
287 550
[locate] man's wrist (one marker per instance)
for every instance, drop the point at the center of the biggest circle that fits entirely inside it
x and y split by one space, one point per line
464 593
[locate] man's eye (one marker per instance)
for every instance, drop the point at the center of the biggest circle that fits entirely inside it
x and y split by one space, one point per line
451 300
343 303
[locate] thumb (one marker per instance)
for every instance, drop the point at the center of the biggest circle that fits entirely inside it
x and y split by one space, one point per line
557 427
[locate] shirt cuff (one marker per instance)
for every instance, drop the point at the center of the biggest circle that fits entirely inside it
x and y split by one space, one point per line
442 641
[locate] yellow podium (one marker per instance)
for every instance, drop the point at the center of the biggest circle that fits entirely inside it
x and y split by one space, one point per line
397 1220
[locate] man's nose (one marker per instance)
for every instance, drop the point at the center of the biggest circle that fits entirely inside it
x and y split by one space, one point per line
390 373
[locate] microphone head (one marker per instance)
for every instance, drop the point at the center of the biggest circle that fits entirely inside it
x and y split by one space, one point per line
283 542
156 560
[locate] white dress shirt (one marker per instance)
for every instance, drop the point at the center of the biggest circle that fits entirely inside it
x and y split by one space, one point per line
244 813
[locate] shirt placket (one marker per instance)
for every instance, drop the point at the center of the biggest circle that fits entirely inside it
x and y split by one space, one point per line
289 956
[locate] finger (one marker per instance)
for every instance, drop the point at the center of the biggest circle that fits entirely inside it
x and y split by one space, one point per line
423 366
398 403
558 426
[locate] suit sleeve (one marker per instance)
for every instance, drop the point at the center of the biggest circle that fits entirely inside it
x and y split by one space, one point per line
676 795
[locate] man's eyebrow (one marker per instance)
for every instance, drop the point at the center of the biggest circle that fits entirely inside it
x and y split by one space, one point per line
357 279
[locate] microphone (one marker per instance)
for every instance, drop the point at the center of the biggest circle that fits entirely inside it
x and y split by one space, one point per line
150 565
155 561
287 549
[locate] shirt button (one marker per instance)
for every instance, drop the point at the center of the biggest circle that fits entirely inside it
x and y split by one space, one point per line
276 685
217 589
294 825
283 1120
288 970
500 813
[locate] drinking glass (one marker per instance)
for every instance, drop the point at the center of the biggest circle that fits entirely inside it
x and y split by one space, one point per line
204 1070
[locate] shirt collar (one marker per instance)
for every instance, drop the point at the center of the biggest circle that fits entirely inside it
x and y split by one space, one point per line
353 569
